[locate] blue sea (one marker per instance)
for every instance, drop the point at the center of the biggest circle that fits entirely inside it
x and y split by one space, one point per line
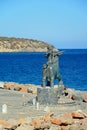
26 68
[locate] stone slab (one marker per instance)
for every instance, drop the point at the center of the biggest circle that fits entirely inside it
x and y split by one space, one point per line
48 95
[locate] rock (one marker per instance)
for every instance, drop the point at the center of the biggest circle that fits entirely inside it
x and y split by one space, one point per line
66 119
37 122
14 123
32 88
24 89
83 113
5 124
56 121
69 91
17 88
9 86
77 115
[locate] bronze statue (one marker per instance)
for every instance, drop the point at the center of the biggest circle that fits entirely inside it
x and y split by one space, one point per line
50 70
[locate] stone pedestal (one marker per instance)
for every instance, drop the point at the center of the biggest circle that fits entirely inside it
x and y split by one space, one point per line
49 95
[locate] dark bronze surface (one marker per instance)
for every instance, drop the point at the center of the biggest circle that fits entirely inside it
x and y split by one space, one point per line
50 70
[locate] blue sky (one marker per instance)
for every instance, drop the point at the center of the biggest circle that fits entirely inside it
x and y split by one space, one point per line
62 23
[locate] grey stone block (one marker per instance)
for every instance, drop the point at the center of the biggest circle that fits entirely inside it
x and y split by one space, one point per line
48 95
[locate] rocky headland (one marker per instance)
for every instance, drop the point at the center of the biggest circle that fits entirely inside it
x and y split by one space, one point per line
22 45
70 113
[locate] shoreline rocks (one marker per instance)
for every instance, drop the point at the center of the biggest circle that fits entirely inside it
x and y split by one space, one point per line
67 121
69 95
27 88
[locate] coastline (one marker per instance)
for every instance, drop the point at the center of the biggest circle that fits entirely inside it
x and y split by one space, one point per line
20 108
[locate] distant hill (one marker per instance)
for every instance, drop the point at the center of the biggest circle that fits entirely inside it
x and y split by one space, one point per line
22 45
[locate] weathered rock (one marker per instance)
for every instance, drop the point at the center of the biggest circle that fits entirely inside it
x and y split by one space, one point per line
37 122
33 88
5 124
9 86
14 123
24 89
83 113
77 115
17 87
66 119
56 121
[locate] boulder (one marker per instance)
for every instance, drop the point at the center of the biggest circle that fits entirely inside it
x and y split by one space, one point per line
13 123
24 89
65 119
37 122
56 121
9 86
5 124
77 115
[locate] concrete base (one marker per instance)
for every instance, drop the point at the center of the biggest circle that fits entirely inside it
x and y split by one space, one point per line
49 95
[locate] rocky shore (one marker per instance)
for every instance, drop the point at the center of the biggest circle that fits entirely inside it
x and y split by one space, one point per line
70 113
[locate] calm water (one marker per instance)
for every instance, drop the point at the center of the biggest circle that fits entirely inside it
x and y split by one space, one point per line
27 68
